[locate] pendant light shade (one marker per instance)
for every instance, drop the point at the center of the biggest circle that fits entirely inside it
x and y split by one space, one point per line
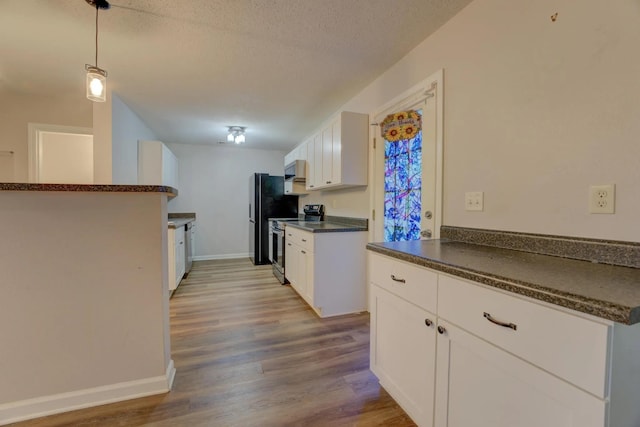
96 84
96 77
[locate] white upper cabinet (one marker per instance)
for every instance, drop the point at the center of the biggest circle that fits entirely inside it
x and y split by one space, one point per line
337 154
157 165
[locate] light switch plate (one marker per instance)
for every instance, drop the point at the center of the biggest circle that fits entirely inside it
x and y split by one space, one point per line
474 201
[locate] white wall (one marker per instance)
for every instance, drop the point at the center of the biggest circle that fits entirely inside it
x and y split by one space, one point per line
117 130
128 128
535 112
17 110
214 183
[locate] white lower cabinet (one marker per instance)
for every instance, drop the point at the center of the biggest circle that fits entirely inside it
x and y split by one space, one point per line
176 258
326 269
480 385
299 264
403 352
494 359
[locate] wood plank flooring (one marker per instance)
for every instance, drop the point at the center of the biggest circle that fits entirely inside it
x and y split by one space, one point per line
250 352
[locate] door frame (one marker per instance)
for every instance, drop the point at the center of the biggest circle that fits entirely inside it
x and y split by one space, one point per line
434 84
34 148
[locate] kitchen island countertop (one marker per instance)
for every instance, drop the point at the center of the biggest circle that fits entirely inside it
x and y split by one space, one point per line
324 226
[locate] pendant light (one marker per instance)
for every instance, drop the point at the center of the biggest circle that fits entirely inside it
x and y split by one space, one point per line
97 77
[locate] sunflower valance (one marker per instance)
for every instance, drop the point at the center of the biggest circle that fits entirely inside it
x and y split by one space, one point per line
402 125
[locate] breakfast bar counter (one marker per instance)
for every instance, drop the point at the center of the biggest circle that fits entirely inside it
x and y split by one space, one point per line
84 318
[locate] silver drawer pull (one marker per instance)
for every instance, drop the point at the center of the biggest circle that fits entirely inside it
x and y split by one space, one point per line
395 279
304 240
499 323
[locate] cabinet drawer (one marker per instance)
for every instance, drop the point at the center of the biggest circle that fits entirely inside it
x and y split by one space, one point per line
413 283
566 345
301 238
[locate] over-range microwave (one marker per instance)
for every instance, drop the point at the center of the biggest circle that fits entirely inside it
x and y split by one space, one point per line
294 171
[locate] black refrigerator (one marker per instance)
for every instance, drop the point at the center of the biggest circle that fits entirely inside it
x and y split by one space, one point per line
266 200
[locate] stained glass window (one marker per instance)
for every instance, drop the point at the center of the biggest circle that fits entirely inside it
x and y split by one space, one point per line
402 189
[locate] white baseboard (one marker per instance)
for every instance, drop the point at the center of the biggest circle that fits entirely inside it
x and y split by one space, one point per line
223 256
64 402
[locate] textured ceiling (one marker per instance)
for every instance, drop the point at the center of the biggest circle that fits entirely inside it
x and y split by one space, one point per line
189 68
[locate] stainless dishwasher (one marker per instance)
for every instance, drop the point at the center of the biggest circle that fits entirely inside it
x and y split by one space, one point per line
188 250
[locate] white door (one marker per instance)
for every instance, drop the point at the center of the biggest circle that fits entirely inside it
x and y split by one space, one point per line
60 154
408 173
480 385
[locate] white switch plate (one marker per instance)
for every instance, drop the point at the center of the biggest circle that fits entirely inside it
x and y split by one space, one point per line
602 199
474 201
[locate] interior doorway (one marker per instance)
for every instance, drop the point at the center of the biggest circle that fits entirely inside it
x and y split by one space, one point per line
60 154
407 172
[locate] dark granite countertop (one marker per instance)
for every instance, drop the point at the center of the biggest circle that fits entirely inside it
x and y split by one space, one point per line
606 291
324 226
179 221
92 188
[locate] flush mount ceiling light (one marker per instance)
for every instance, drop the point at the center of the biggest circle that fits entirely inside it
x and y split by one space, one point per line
97 77
236 134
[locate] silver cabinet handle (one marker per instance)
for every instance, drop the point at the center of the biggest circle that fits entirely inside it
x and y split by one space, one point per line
304 240
328 182
441 330
303 252
395 279
499 323
288 244
428 322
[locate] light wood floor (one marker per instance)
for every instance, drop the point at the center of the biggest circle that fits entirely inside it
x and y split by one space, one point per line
250 352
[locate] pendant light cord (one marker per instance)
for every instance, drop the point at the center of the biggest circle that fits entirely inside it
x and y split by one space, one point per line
97 35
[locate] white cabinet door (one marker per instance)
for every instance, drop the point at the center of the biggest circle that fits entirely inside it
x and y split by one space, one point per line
180 255
299 270
306 274
171 247
317 161
403 353
480 385
291 263
310 165
336 151
302 258
327 156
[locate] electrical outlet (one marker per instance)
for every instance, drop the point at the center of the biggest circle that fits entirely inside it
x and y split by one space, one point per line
474 201
602 199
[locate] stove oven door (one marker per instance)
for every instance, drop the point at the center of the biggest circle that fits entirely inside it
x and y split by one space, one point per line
277 251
